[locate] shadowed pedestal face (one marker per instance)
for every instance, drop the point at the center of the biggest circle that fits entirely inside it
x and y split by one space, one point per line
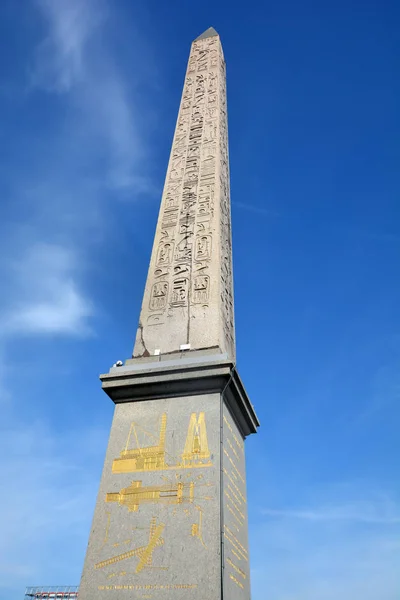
171 514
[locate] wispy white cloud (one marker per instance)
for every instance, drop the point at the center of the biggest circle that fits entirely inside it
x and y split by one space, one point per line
341 548
74 59
89 155
49 296
267 212
60 56
362 512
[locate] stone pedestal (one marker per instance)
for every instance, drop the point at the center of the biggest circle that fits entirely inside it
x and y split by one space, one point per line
171 518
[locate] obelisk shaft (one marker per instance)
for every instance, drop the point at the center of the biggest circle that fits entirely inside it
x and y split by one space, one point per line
188 297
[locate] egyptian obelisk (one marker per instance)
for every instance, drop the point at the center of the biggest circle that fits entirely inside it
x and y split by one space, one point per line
171 514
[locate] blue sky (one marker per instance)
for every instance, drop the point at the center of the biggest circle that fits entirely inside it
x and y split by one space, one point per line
89 92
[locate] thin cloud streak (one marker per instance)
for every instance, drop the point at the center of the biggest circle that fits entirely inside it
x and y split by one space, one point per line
342 228
341 550
60 59
334 514
257 209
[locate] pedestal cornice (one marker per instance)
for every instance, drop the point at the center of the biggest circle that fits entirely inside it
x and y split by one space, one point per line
181 374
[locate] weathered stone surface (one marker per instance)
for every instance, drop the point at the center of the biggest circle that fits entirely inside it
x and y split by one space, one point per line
188 297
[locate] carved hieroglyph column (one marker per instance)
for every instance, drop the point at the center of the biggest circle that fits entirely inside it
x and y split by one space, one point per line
188 297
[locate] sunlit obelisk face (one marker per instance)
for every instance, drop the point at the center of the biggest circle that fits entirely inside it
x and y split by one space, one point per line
188 297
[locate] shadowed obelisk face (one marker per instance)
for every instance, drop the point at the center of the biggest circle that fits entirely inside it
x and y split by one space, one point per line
188 297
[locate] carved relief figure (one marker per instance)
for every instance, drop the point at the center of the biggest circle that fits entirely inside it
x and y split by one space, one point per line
204 207
170 219
189 189
202 227
171 201
210 131
188 205
158 273
186 228
202 62
179 292
198 104
203 247
183 251
200 84
208 167
183 125
193 151
158 298
181 269
156 319
206 191
201 289
208 150
164 254
212 82
211 112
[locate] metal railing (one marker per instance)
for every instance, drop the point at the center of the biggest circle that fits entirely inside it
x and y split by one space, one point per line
57 592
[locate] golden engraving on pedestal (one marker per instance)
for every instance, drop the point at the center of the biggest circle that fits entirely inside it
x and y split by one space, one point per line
235 486
234 505
144 553
236 580
238 443
240 549
236 568
231 510
171 493
196 452
236 471
135 495
197 528
147 458
153 458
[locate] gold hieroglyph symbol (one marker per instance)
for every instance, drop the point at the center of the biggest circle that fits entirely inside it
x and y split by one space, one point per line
196 452
135 495
142 458
153 457
144 553
197 528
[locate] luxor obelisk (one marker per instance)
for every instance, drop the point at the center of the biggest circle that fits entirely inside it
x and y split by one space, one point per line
171 517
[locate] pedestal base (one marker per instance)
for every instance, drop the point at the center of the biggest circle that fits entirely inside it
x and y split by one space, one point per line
171 518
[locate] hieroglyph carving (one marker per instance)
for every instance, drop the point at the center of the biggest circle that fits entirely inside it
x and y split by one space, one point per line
197 177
